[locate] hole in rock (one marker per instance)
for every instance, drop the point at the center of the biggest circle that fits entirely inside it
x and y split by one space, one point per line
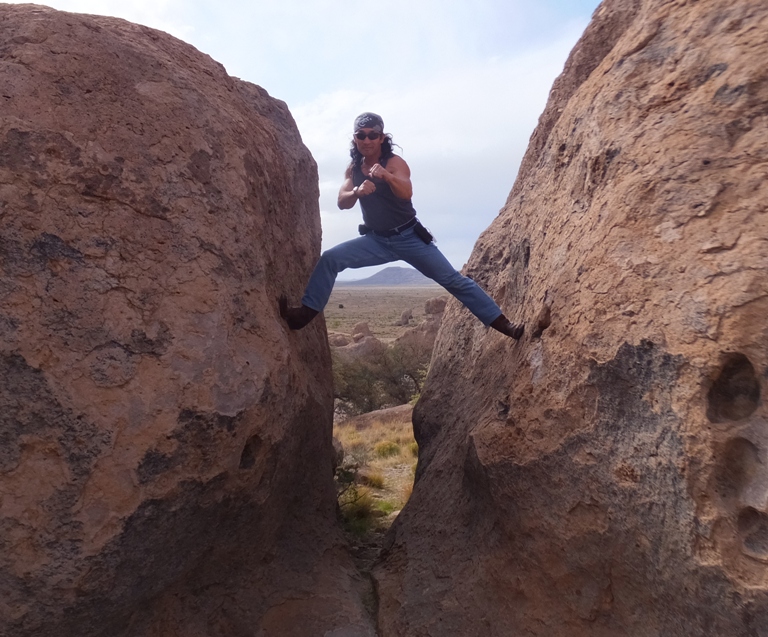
739 463
753 530
250 452
735 394
543 321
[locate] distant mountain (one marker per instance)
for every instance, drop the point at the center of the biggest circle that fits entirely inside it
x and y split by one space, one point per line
391 276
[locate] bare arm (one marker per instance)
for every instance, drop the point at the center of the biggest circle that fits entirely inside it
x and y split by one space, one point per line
397 175
349 193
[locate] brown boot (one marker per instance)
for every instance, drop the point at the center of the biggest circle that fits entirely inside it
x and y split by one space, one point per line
503 325
296 317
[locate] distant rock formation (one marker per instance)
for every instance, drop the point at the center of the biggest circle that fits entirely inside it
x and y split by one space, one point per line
405 318
364 347
400 413
609 476
436 305
361 330
336 339
393 275
420 339
165 441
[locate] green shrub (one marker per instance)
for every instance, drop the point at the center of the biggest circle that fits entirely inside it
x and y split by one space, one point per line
356 386
414 449
356 504
359 504
386 506
386 449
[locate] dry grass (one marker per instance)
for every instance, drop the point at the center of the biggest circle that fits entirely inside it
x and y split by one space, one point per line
382 452
380 307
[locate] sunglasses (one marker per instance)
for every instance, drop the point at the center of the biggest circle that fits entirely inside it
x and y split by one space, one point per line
361 135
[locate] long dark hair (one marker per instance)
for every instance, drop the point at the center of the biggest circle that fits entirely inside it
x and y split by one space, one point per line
386 150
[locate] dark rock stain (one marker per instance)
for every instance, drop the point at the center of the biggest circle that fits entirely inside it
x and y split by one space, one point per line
226 267
131 570
197 436
30 151
8 326
199 166
51 247
140 343
28 408
19 258
729 94
709 73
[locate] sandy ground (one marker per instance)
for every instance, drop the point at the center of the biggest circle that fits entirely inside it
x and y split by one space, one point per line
380 307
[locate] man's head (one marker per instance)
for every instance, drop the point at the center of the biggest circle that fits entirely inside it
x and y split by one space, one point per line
369 139
369 120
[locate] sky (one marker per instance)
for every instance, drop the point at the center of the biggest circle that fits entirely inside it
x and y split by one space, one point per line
460 85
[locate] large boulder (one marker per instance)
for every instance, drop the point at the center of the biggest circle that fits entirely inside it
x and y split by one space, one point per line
609 477
165 441
365 348
387 416
360 331
405 318
435 305
419 340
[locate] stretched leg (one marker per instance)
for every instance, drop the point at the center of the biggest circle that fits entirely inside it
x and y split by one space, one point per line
357 253
428 260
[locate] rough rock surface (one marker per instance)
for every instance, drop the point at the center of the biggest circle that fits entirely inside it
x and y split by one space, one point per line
420 339
386 416
405 318
436 305
338 340
363 347
611 476
165 441
361 330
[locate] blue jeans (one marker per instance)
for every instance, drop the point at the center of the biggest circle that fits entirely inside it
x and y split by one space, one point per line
372 249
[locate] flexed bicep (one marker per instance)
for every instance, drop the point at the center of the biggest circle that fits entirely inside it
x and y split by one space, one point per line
397 174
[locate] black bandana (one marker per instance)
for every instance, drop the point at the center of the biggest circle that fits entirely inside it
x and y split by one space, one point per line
369 120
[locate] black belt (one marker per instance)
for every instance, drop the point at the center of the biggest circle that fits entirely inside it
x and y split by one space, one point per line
398 230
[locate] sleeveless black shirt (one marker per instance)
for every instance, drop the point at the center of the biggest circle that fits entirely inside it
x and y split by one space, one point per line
382 210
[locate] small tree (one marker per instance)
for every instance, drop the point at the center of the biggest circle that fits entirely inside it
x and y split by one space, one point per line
403 369
390 378
356 386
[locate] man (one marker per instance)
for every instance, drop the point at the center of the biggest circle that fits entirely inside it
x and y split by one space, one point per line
381 182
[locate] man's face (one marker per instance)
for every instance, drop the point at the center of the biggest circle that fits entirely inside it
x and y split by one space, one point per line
366 145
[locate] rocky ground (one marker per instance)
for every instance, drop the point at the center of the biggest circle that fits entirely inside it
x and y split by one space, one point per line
380 307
